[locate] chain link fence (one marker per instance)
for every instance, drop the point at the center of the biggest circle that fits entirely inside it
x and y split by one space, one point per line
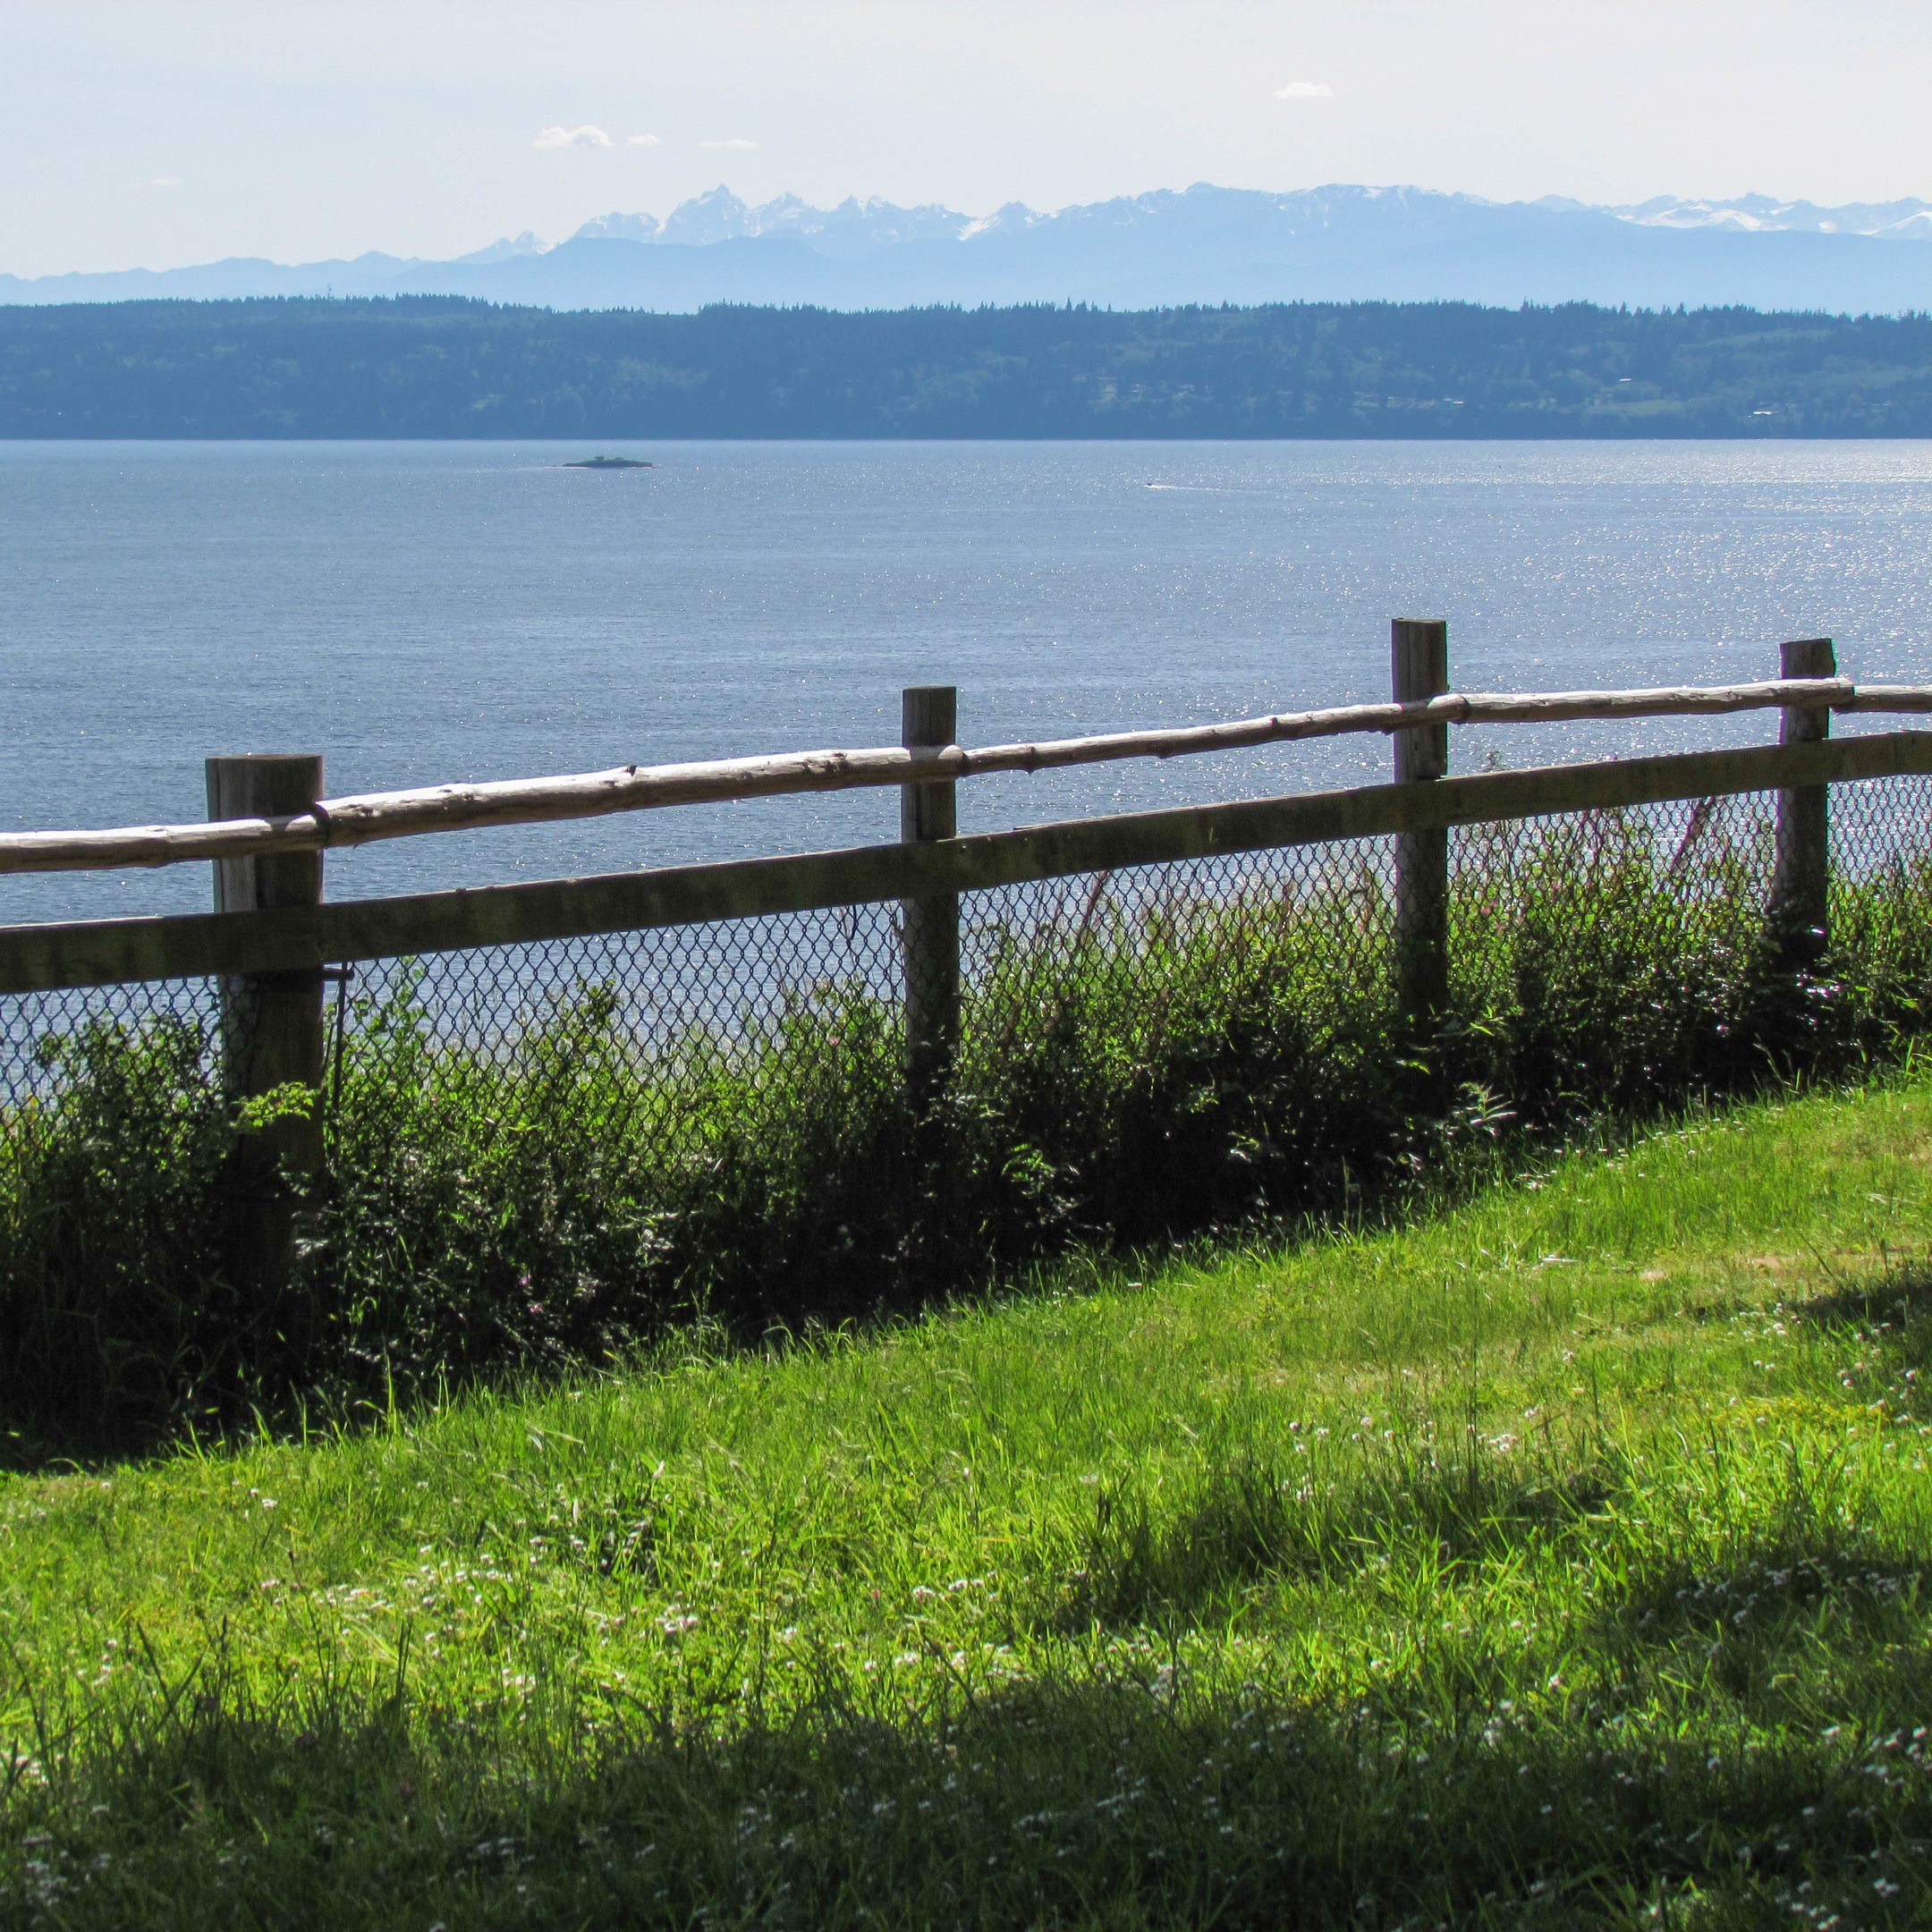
647 1025
538 1151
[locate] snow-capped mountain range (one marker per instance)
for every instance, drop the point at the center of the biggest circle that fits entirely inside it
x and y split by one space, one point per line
1202 244
854 228
1752 214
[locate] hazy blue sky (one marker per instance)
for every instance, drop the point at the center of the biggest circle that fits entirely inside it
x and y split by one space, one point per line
154 132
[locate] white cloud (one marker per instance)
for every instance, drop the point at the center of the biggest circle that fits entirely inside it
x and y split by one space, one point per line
1305 90
727 144
165 181
586 136
642 140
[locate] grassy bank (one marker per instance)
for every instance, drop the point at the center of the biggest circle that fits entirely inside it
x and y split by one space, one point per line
1562 1561
543 1175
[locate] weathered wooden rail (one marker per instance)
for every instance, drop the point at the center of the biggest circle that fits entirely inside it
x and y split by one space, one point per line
273 938
297 938
324 824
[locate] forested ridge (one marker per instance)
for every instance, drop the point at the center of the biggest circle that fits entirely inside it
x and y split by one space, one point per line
430 366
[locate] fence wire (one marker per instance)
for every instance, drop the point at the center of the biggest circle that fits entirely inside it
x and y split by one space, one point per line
1116 1028
690 1007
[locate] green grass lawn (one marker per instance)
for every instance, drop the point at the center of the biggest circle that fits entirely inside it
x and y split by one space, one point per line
1563 1561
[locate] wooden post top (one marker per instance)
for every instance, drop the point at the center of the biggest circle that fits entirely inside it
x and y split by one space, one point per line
1419 658
928 713
1805 658
264 785
1419 669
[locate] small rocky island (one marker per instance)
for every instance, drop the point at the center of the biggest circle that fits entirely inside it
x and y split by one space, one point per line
606 462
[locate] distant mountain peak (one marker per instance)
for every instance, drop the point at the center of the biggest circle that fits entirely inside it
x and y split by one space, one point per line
506 247
851 229
716 214
614 227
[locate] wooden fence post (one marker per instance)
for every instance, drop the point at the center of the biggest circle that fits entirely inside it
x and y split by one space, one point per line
930 926
1418 662
273 1033
1801 884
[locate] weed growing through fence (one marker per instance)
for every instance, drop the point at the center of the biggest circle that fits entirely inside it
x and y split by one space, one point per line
1559 1562
1140 1064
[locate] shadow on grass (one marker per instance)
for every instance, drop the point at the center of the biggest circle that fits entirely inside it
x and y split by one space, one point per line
1889 1309
1142 1800
1251 1520
1734 1745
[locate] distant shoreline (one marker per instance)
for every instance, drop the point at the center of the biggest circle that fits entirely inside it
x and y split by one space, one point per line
443 368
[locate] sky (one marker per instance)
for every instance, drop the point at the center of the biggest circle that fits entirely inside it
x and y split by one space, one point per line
154 133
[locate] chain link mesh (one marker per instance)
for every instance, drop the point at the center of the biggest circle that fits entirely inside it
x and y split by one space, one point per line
1569 881
50 1040
539 1134
1157 943
682 1011
644 1026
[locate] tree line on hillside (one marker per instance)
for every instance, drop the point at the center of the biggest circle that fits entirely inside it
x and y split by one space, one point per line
443 367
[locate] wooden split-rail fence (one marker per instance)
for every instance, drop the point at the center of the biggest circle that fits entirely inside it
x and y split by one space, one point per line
274 941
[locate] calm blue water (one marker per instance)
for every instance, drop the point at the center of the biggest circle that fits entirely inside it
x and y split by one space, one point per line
421 612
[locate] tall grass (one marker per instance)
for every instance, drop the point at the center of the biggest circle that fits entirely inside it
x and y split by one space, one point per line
1139 1066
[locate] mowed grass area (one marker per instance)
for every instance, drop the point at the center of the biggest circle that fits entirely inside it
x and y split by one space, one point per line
1561 1561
